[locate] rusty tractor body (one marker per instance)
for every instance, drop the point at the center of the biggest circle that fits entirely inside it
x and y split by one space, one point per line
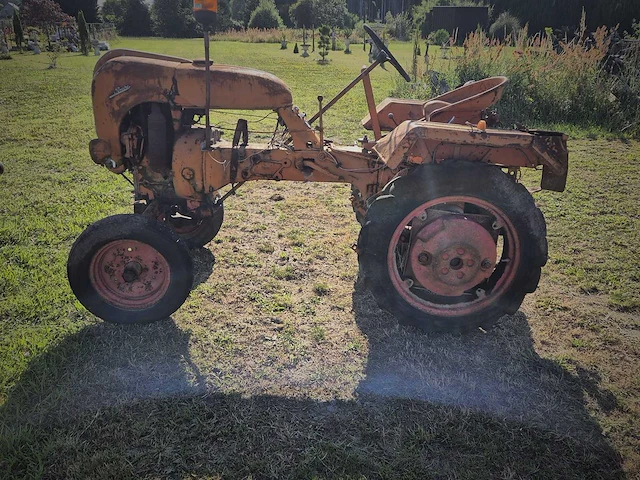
450 240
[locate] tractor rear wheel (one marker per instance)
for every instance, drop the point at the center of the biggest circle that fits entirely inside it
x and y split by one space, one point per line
130 269
452 247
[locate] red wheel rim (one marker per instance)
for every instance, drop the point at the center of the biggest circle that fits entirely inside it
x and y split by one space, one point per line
129 274
447 300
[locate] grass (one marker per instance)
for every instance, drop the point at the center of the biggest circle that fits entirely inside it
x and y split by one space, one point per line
280 365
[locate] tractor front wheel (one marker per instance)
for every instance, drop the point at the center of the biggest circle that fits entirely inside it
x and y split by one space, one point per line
452 247
130 269
195 232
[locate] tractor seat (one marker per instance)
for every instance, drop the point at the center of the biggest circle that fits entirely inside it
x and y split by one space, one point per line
464 104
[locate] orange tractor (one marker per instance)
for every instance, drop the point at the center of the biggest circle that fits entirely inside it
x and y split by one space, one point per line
450 241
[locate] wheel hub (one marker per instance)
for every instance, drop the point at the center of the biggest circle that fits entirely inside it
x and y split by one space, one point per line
129 274
452 254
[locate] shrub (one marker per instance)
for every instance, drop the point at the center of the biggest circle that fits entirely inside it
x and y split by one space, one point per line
324 42
399 27
53 53
505 25
265 16
439 37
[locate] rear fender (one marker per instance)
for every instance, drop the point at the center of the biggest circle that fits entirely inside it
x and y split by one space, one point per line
425 142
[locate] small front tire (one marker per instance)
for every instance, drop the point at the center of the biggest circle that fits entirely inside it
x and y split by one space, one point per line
130 269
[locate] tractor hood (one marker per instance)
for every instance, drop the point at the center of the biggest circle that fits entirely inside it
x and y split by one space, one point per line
124 79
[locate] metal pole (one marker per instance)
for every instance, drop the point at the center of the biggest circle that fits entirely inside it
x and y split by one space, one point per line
207 100
344 91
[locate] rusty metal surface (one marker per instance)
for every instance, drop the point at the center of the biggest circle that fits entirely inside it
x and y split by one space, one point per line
420 142
129 274
122 82
452 254
553 147
401 108
368 93
231 87
125 52
468 101
464 104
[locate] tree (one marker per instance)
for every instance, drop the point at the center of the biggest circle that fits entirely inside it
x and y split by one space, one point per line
331 12
17 30
306 13
224 21
83 31
72 7
174 19
302 13
265 16
137 19
113 11
130 17
241 10
43 14
283 10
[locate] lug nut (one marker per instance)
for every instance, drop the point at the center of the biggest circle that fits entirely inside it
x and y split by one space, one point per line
460 251
486 264
424 258
445 256
445 271
460 275
470 263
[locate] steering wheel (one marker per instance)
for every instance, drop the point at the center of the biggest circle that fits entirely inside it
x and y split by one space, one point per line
383 48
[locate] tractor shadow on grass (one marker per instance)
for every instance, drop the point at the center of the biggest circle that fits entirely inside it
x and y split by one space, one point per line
116 402
498 372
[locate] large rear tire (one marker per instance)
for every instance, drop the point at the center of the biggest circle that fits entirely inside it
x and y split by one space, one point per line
452 247
130 269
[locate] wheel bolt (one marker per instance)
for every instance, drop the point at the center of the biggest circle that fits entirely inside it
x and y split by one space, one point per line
445 256
460 275
424 258
486 264
460 251
470 263
445 271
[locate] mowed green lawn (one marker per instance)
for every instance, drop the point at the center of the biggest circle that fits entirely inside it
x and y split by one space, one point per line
280 365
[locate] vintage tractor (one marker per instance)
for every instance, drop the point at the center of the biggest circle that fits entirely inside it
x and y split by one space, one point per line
450 241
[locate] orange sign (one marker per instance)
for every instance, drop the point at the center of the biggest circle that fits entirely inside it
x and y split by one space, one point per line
208 5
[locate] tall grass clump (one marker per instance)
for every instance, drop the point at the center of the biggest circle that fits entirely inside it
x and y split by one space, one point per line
256 35
567 84
551 81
